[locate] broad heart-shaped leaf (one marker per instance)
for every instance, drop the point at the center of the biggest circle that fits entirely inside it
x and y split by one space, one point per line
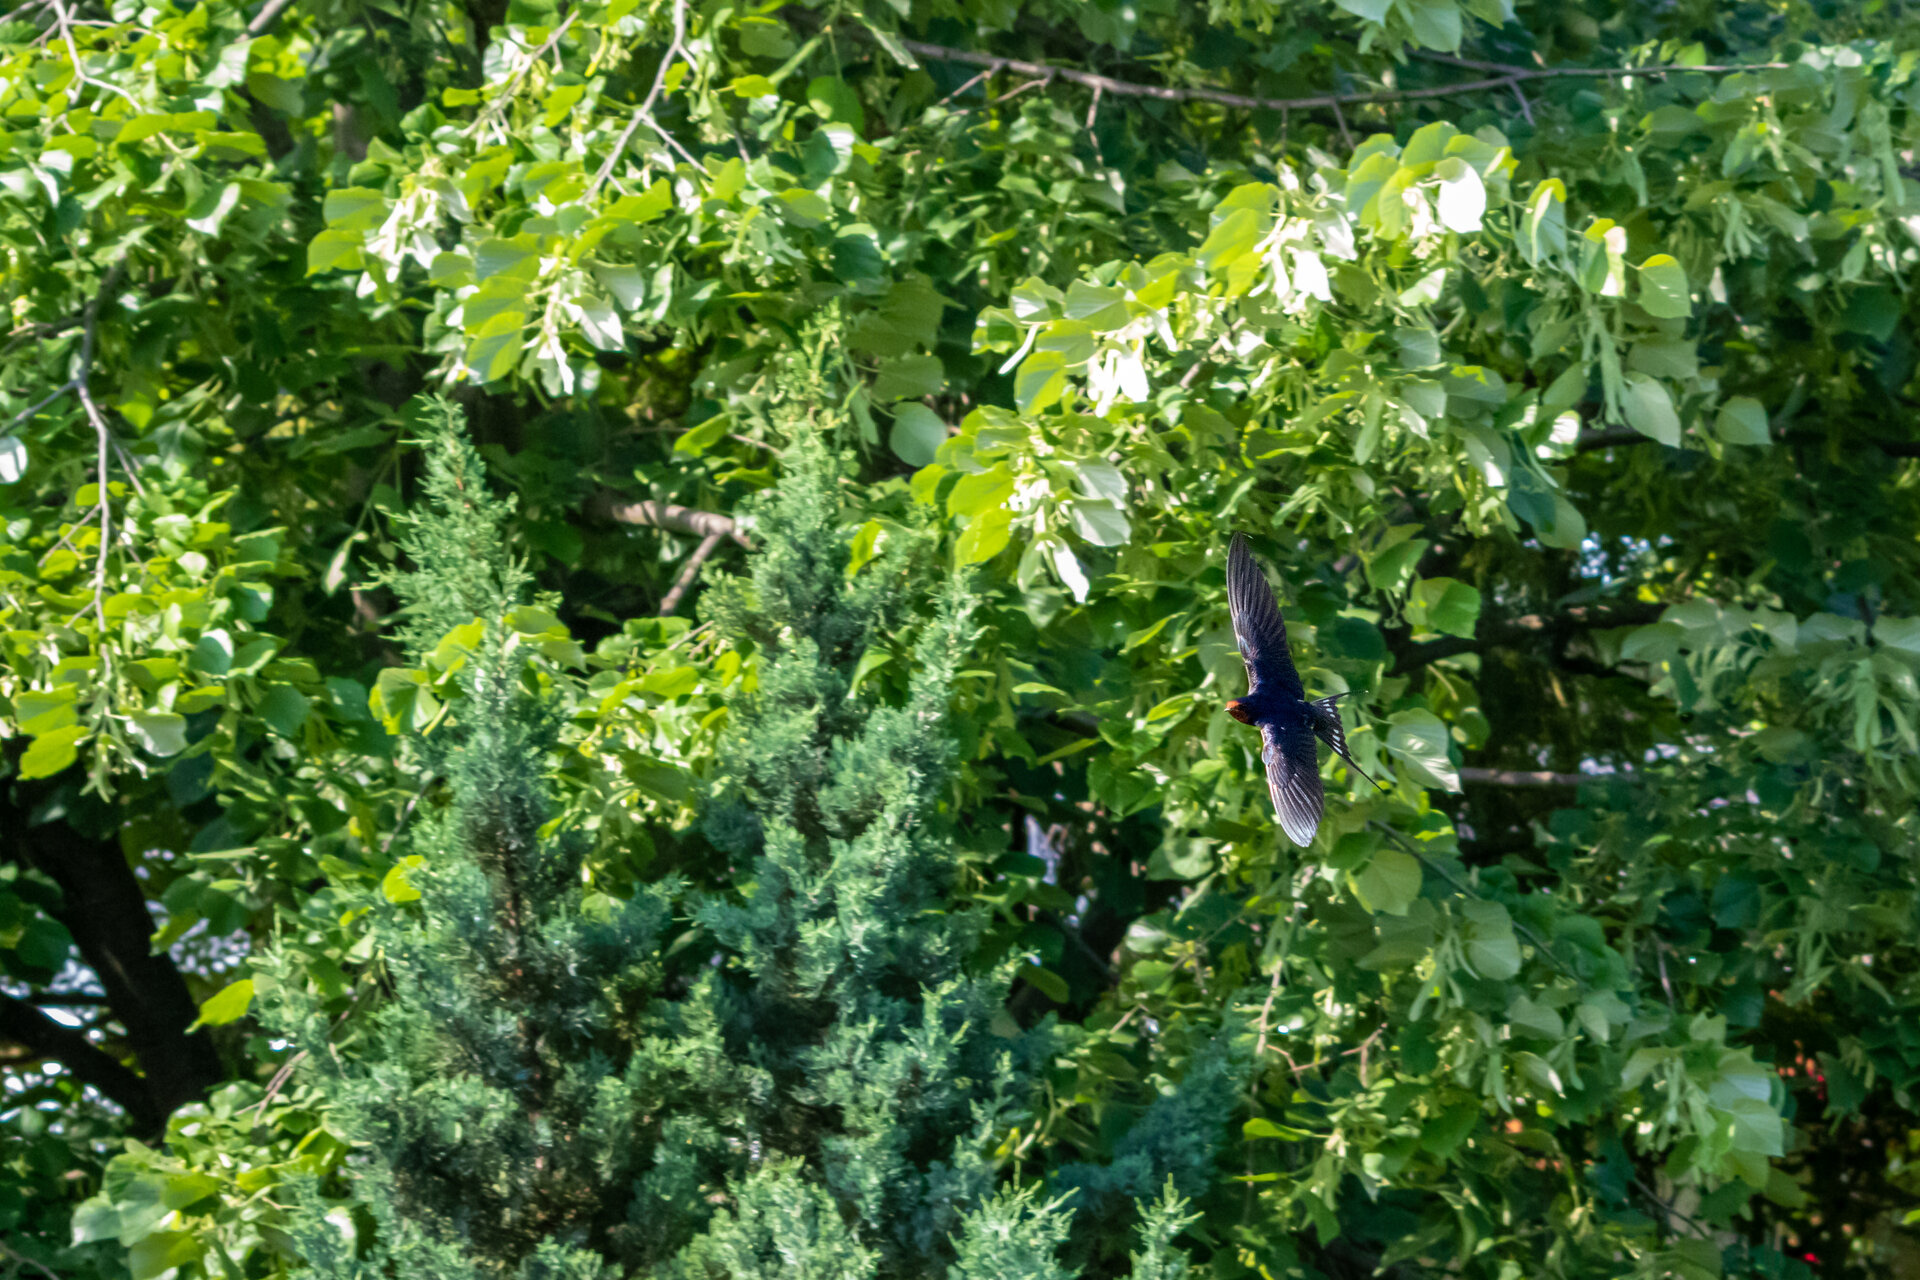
1649 410
284 709
1042 379
1487 931
1664 291
1446 605
161 732
908 378
836 100
52 752
917 434
1419 740
1100 523
1742 420
986 535
162 1252
1389 883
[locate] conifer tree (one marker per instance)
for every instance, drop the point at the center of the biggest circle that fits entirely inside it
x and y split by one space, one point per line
796 1075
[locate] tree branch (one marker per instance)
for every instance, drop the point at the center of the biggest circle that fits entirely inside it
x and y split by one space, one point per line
665 515
1530 777
105 909
1494 635
23 1024
643 114
692 571
269 14
1507 78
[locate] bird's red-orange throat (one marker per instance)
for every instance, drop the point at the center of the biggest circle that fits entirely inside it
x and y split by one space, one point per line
1238 710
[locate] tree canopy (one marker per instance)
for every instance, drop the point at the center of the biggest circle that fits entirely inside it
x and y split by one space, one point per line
877 387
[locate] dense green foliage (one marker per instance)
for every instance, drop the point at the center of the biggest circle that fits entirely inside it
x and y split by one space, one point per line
1558 360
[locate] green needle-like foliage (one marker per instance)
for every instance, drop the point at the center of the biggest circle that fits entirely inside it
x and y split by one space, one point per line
809 1086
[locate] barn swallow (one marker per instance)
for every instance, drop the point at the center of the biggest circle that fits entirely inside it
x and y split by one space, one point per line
1277 702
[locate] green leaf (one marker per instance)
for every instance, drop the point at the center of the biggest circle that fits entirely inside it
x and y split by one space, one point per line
908 377
52 752
395 886
1100 523
335 250
150 1256
1446 605
1419 740
1650 411
1743 420
985 536
917 434
1435 24
1491 948
1234 238
1389 883
1041 380
1259 1127
751 86
836 100
1050 984
1664 291
160 732
973 494
284 710
229 1004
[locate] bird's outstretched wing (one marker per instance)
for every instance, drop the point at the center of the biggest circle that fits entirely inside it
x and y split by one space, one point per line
1293 778
1257 625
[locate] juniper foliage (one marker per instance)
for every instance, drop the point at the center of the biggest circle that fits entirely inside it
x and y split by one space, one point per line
798 1076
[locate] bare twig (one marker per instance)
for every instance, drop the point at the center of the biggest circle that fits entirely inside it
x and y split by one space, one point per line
45 329
22 1260
1508 75
63 24
103 438
665 515
671 600
40 404
1093 109
643 114
268 15
1039 83
1298 1069
968 84
504 98
1266 1011
1532 777
280 1078
1340 118
1526 108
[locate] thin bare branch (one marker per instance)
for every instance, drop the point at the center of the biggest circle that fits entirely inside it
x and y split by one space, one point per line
1507 77
1531 777
268 15
22 1260
665 515
684 582
968 84
504 98
643 114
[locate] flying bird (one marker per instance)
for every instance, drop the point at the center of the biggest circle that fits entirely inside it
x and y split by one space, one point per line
1277 702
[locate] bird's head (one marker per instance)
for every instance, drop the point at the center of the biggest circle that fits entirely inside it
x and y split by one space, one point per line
1238 710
